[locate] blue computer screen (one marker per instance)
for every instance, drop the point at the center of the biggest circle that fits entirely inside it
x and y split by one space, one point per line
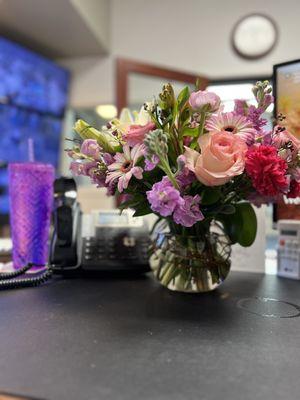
30 80
33 97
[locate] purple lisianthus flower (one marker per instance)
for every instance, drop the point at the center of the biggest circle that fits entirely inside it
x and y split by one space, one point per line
163 197
91 148
188 212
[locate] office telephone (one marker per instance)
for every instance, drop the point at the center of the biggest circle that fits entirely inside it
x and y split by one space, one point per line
102 242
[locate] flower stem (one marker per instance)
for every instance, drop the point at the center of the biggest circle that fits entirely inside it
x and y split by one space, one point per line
166 168
202 122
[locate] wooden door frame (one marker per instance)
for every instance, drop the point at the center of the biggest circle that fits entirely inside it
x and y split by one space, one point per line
124 67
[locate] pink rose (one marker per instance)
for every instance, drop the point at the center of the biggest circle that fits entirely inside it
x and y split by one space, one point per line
222 157
202 98
136 133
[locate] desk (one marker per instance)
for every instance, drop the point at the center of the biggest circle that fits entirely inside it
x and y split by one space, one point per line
133 339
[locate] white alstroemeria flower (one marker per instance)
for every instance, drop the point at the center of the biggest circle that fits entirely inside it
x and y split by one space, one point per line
128 118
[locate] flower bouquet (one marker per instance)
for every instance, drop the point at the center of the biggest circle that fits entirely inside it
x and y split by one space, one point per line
198 169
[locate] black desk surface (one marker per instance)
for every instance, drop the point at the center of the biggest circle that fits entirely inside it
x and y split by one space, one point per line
132 339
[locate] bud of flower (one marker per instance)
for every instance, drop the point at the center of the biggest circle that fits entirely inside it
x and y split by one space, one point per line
262 92
105 140
156 143
204 100
167 96
181 162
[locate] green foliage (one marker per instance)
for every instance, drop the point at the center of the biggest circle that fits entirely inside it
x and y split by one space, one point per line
192 132
241 226
210 196
183 98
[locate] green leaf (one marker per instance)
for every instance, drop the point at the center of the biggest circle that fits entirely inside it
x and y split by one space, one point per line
227 209
210 196
183 97
241 227
193 132
141 210
231 225
248 232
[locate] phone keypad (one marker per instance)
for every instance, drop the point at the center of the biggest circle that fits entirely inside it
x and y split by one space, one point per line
127 248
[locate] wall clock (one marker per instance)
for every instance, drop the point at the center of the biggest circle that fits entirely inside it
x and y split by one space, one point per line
254 36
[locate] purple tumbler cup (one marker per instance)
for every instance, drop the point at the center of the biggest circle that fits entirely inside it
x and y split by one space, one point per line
31 201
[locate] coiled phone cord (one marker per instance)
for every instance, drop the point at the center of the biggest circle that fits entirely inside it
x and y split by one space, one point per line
8 279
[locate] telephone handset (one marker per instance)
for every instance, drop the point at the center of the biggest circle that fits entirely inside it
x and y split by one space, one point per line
64 248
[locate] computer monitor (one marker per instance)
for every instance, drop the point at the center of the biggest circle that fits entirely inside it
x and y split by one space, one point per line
286 87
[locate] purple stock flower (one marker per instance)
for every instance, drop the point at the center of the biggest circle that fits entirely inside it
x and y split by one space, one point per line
152 163
254 115
184 177
91 148
163 197
269 99
188 212
240 107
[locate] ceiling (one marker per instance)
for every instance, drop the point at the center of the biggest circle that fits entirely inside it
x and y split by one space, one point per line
57 28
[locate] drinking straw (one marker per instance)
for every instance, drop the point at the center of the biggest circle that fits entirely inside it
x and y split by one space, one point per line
30 150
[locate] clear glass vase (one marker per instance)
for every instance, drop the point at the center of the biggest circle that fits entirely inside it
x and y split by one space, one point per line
192 264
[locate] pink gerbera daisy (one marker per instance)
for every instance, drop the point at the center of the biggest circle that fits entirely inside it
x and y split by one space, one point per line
233 123
125 167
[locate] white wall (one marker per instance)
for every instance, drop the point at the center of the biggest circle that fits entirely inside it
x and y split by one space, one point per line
97 16
192 35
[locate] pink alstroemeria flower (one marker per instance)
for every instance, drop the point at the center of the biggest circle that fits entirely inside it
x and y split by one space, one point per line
136 133
125 167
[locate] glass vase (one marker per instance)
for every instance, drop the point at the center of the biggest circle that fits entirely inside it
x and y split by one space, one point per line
189 263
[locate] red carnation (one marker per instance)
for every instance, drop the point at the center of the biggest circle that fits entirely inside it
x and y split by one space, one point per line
294 190
267 170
